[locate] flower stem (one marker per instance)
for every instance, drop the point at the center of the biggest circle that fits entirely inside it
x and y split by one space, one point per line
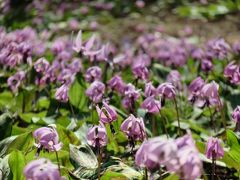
176 107
154 125
58 162
211 119
164 122
99 163
146 173
222 115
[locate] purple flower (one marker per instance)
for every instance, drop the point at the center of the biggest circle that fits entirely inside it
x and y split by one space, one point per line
174 77
236 48
206 65
210 94
41 65
42 169
140 72
197 54
230 69
130 96
106 114
97 136
66 76
195 89
214 149
93 73
236 114
117 84
96 91
134 128
219 48
151 105
167 90
150 90
62 93
76 65
16 80
78 44
47 138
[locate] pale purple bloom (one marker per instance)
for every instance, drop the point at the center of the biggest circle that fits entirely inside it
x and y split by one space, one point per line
130 96
150 90
197 54
96 91
106 114
232 72
66 76
214 149
93 73
15 81
195 89
174 77
210 94
236 48
116 83
134 128
219 48
41 169
206 65
151 105
78 44
140 72
140 3
41 65
47 138
97 136
236 114
167 90
76 65
62 93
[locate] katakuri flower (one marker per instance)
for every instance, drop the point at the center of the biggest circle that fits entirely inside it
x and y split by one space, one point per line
214 149
106 114
97 136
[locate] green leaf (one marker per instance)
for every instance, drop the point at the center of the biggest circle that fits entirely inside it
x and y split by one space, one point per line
29 117
113 175
83 156
4 145
5 99
5 125
77 95
5 170
17 163
23 142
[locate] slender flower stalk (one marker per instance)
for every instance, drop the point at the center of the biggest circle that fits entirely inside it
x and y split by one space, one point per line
146 173
211 119
222 115
176 107
58 162
99 163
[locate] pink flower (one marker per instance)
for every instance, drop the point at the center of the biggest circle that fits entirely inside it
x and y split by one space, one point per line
214 149
62 93
42 169
230 69
140 72
97 136
236 114
151 105
106 114
47 138
95 91
150 90
15 81
206 65
117 84
134 128
174 77
41 65
167 90
130 96
209 93
195 90
93 73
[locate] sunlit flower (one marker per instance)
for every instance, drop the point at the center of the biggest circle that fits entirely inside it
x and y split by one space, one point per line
97 136
106 114
62 93
95 91
214 149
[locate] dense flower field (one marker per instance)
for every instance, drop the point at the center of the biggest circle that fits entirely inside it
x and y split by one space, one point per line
74 105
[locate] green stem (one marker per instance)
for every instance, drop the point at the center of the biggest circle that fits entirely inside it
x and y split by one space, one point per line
99 163
154 125
211 119
58 162
146 173
176 107
222 115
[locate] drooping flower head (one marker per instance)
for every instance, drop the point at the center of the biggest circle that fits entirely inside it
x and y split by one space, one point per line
210 94
150 90
97 136
42 169
62 93
167 90
95 91
140 72
236 114
15 81
232 72
106 114
151 105
174 77
195 89
41 65
117 84
47 138
218 48
93 73
214 149
130 96
134 128
206 65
